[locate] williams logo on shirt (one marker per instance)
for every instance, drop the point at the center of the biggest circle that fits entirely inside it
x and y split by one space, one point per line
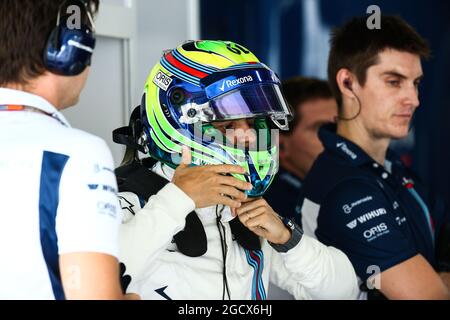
346 150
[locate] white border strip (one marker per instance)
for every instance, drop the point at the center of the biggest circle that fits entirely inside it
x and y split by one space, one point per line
116 21
193 14
119 22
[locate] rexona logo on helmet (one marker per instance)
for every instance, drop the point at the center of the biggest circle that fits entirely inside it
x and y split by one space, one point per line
201 84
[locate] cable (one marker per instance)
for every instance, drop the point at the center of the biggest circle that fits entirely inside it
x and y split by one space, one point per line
357 114
348 85
223 244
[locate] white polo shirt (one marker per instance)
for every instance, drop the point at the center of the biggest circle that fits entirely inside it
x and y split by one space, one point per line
58 195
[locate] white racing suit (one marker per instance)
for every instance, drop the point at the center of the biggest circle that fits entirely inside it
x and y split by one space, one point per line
158 270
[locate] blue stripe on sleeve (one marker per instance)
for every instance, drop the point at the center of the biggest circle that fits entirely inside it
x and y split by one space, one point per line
52 167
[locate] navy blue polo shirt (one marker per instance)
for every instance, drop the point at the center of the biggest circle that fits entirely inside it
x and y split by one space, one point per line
377 215
283 194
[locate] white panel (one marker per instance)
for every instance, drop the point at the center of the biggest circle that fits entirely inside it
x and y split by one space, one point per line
161 25
115 21
123 3
193 12
310 213
101 107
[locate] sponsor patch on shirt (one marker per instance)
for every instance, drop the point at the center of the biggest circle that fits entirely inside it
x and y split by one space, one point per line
99 168
400 220
343 146
366 217
102 187
349 207
376 232
107 208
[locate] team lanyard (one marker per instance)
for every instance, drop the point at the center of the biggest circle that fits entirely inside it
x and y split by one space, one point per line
409 184
12 107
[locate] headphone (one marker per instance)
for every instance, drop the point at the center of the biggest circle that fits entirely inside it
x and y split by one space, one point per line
69 50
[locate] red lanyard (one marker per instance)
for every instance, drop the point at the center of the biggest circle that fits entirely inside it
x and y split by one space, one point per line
12 108
409 184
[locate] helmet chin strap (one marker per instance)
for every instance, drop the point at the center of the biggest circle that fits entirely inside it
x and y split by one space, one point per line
132 136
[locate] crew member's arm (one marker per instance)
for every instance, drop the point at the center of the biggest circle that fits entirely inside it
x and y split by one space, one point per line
87 223
90 276
443 243
414 278
445 276
358 219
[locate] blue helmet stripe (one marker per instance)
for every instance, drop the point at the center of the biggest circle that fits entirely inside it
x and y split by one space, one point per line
179 73
193 64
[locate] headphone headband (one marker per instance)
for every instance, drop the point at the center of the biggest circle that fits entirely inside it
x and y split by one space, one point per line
68 51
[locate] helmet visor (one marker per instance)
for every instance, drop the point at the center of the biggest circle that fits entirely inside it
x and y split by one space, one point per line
260 100
239 93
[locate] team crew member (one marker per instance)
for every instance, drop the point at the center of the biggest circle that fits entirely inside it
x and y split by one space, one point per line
60 214
359 196
208 96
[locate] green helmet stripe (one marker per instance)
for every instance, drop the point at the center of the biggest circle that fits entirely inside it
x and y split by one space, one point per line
238 156
241 177
232 51
158 143
166 143
262 159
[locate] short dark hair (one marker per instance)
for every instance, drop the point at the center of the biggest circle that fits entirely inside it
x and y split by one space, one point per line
25 27
298 90
356 47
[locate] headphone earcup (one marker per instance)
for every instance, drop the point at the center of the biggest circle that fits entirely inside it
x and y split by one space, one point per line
69 51
51 47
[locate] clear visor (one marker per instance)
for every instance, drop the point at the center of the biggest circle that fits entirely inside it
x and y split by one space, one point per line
262 100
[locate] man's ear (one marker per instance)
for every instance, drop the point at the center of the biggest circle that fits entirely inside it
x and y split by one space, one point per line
344 79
